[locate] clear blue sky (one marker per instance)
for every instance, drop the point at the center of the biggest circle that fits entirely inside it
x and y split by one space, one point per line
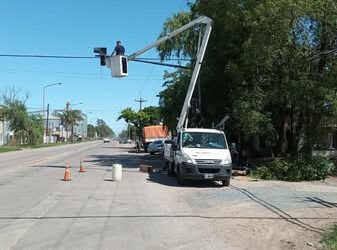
74 28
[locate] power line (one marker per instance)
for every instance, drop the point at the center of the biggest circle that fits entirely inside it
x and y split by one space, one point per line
85 57
100 110
6 70
78 75
162 64
168 59
48 56
133 77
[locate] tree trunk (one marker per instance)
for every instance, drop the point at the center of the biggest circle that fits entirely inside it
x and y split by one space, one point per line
72 132
296 126
308 134
282 144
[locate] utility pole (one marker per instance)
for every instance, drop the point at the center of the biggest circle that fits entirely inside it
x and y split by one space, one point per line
67 109
47 125
43 110
141 100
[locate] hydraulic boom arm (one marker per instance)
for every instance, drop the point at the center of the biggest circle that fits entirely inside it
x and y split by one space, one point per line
199 20
200 55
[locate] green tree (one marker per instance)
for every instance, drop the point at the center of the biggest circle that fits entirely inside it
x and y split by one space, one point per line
270 64
105 131
145 117
35 129
153 115
27 128
296 86
129 132
70 118
182 46
101 130
91 131
172 97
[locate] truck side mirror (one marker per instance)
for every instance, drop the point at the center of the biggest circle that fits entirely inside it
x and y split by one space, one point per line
174 146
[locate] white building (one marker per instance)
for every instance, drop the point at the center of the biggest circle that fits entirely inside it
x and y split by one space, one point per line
5 133
57 132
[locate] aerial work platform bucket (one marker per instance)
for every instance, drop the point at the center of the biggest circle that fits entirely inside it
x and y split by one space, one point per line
118 65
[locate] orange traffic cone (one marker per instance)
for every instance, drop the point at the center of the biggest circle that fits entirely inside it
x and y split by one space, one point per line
82 170
67 173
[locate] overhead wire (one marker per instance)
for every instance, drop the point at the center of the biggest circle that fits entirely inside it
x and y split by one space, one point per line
101 75
77 75
83 57
48 56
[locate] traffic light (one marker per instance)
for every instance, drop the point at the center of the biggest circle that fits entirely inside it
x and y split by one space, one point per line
102 55
102 60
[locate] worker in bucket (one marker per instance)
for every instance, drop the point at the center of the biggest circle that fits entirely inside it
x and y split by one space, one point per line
119 49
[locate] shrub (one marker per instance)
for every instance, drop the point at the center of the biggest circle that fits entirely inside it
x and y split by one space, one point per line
297 169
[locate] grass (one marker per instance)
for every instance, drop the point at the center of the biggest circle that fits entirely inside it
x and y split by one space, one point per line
4 149
8 148
43 145
330 238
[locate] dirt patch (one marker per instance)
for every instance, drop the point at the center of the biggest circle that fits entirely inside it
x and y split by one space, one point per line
244 178
332 181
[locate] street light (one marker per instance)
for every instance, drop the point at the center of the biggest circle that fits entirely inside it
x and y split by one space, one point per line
71 104
44 92
87 113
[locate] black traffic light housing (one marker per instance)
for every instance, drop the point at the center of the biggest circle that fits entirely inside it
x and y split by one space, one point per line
102 54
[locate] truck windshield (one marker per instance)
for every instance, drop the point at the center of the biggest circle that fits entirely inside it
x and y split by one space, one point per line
203 140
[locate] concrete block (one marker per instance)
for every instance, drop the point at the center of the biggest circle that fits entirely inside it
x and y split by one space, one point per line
146 168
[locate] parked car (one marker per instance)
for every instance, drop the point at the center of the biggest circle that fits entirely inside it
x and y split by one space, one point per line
157 146
106 140
123 141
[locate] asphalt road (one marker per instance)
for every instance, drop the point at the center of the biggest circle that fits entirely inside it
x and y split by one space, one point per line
39 211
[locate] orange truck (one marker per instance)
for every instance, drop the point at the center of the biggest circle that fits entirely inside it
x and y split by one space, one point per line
153 133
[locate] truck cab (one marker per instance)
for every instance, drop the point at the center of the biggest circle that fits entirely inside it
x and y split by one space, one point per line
199 154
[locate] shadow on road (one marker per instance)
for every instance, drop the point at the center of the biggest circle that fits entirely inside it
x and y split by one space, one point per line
161 177
51 166
127 160
115 147
108 160
132 161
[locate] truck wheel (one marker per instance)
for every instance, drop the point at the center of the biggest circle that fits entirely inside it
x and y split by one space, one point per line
181 180
170 170
226 182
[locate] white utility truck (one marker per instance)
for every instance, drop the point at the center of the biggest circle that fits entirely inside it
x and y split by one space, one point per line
196 153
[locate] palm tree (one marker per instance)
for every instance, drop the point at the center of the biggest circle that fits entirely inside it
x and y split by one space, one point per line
69 118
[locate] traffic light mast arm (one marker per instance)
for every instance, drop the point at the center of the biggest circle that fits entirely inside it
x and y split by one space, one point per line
199 20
